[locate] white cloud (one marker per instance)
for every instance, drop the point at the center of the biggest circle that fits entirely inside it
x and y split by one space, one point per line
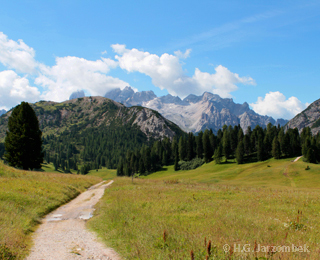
166 73
14 89
182 55
222 82
118 48
73 73
16 55
276 105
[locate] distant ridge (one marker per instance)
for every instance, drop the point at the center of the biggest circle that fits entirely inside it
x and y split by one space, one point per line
2 112
310 117
195 113
77 94
95 112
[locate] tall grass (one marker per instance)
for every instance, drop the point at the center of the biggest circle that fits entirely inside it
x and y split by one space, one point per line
175 216
25 197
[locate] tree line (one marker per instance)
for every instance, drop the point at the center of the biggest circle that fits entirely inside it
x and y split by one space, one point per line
190 151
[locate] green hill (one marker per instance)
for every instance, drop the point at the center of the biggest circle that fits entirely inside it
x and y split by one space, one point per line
167 214
94 130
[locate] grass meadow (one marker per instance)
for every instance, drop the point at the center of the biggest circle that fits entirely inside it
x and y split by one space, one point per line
25 197
193 214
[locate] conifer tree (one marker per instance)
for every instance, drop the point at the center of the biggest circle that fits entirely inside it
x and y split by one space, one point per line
246 143
260 152
190 152
182 149
276 152
240 153
206 146
226 144
176 160
199 145
217 155
23 141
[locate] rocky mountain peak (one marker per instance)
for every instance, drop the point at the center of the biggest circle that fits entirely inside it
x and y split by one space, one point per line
128 97
310 117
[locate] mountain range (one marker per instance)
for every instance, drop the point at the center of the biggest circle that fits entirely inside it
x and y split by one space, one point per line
195 113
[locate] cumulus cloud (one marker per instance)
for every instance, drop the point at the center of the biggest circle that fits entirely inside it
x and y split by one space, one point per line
166 73
16 55
73 73
223 81
276 105
14 89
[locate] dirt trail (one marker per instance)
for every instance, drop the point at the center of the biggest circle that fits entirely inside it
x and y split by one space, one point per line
63 235
287 175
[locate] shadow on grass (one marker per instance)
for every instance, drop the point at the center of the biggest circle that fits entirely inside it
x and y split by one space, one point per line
227 162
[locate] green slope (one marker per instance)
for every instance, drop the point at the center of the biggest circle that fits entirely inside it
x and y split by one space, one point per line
283 173
271 203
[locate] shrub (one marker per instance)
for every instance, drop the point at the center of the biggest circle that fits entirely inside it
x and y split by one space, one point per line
190 165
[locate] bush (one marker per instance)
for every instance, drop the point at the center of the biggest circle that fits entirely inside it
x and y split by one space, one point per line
190 165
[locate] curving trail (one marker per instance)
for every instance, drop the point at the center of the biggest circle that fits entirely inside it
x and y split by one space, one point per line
63 234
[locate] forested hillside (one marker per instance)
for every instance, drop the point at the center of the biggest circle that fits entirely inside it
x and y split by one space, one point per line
94 131
191 151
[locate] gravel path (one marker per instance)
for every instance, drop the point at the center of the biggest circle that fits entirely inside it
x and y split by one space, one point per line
297 158
62 234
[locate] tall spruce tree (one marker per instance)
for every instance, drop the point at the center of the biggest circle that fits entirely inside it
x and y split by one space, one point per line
182 149
206 146
240 153
199 145
23 141
276 151
218 155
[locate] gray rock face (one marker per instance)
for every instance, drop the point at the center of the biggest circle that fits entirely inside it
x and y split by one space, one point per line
308 117
151 123
77 94
196 113
130 98
2 111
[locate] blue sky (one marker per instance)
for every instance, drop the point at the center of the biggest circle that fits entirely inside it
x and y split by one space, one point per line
265 53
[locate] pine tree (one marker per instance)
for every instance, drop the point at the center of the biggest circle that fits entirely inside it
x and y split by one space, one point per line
182 149
276 152
23 141
218 155
199 145
190 152
176 160
260 152
246 143
142 169
206 146
226 144
240 153
311 157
